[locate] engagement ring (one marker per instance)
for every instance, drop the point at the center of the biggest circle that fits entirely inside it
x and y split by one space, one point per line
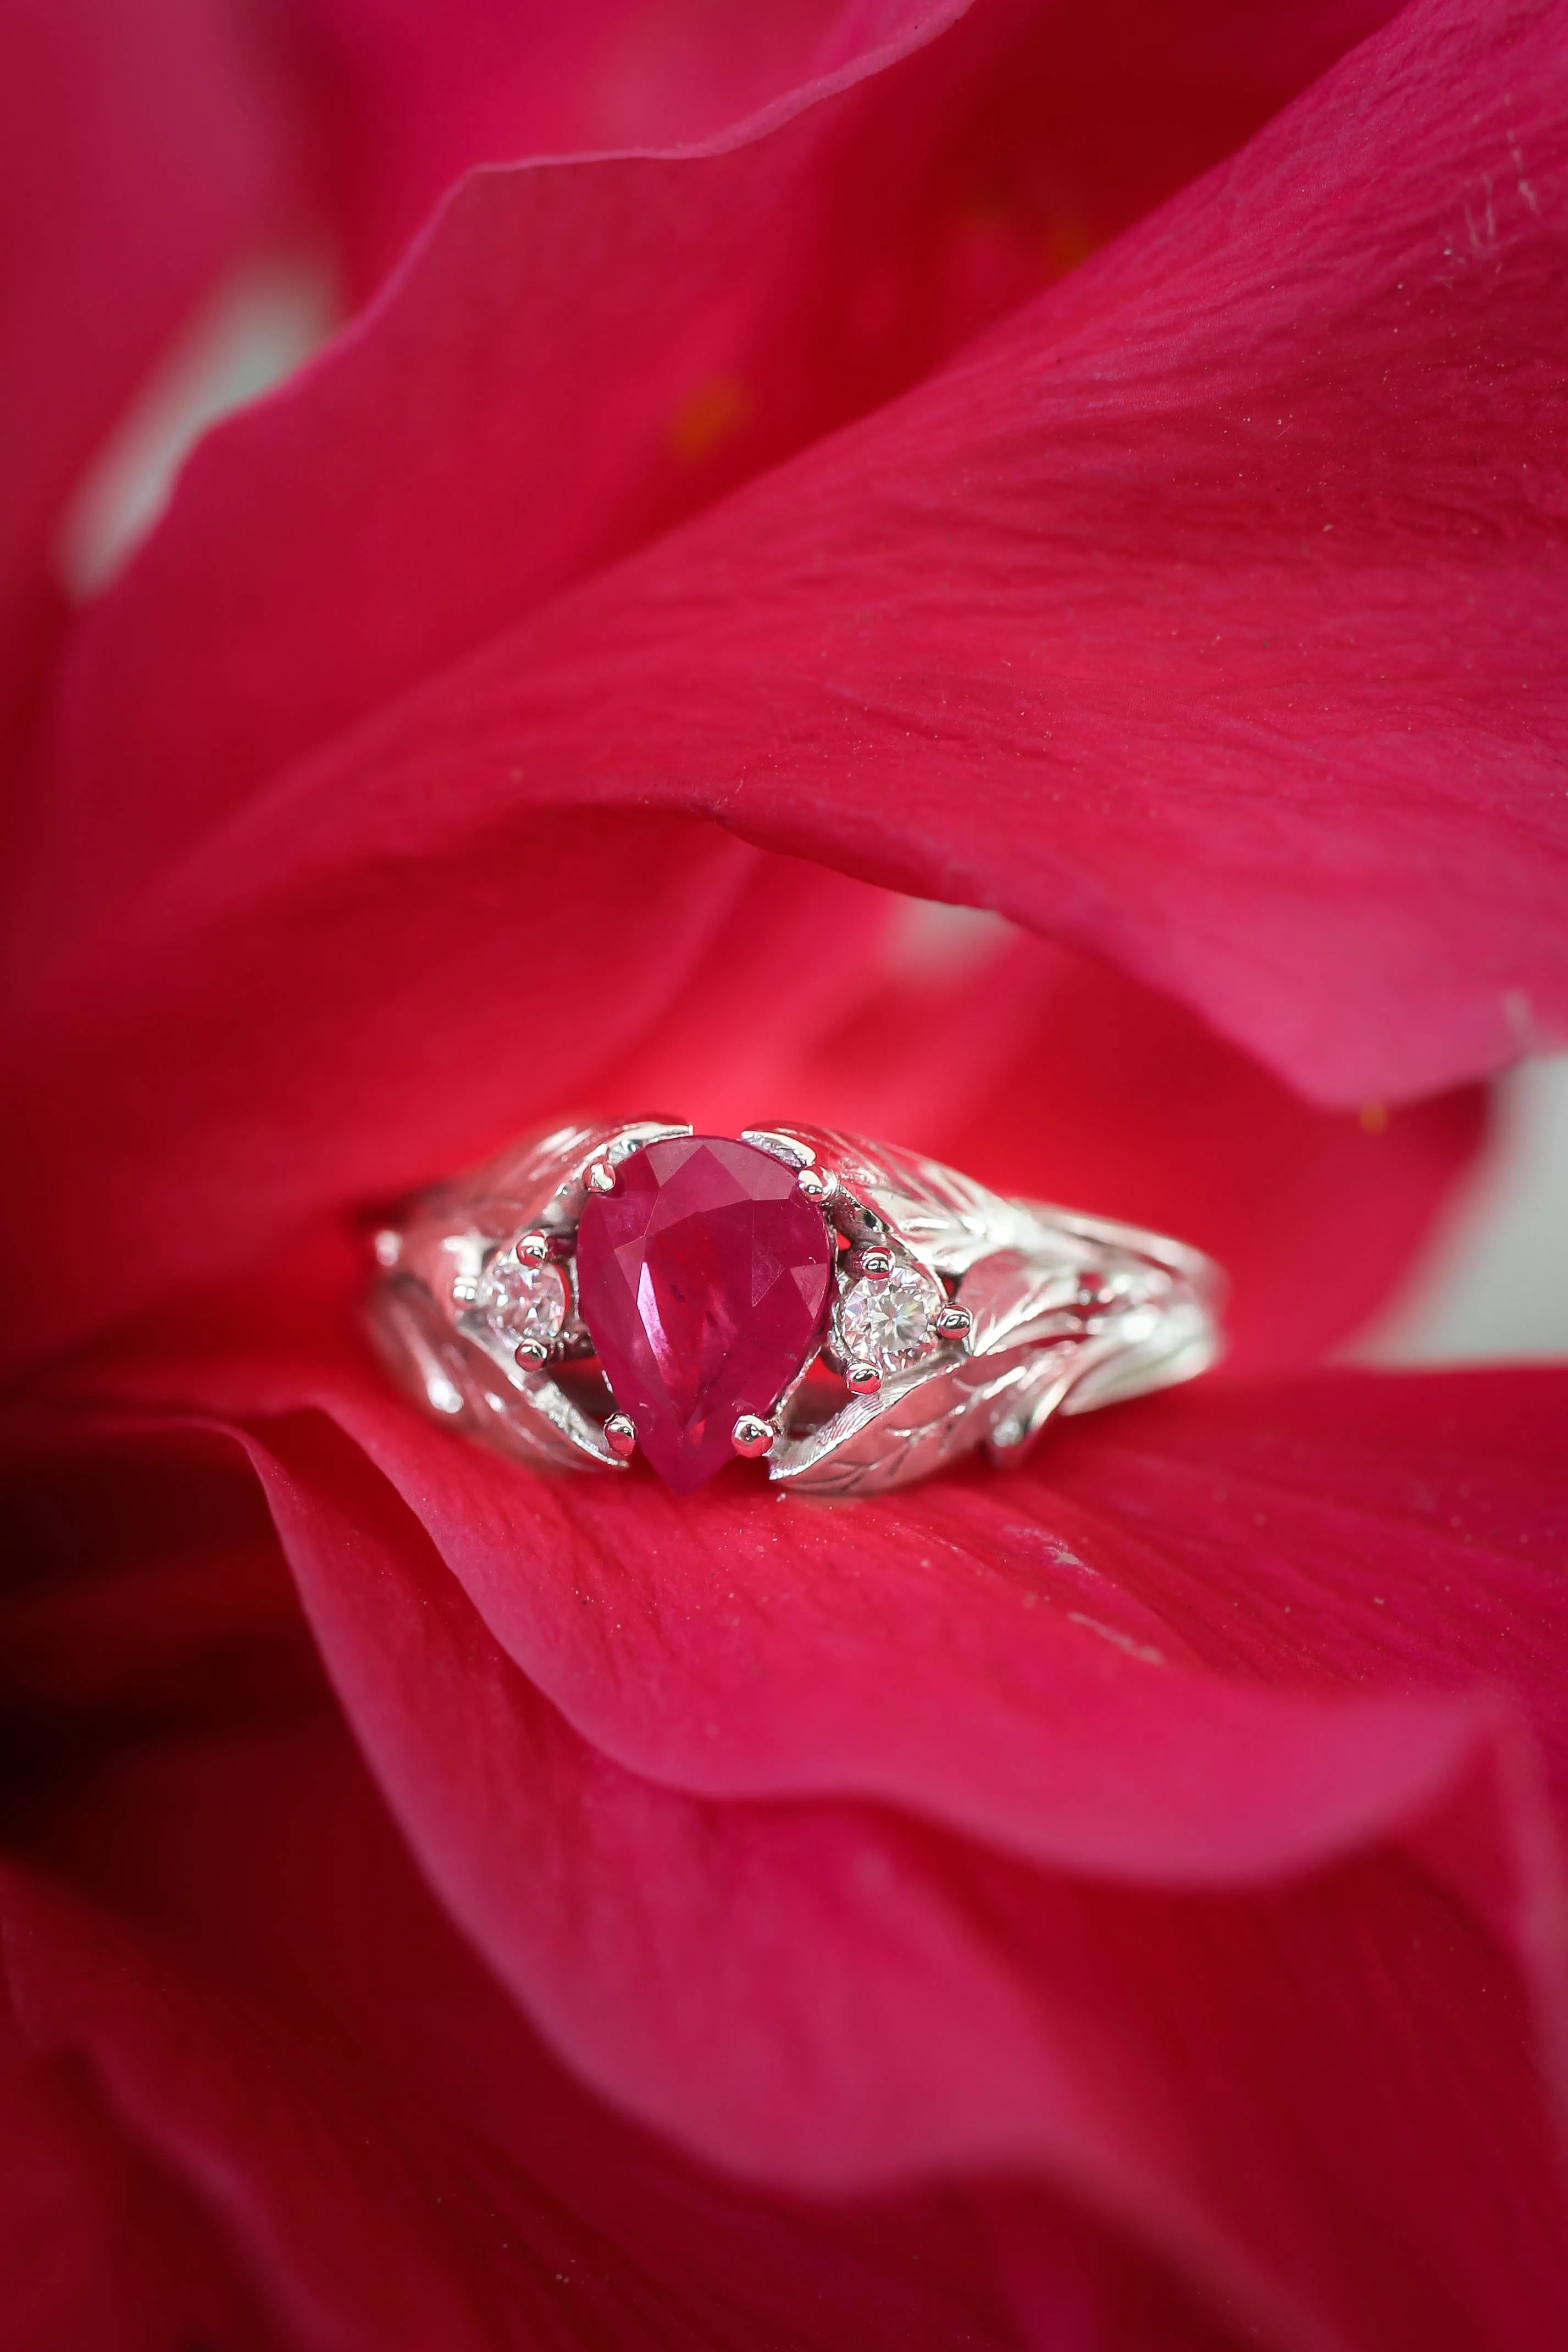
852 1314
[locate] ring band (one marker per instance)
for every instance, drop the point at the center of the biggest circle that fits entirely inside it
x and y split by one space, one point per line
853 1313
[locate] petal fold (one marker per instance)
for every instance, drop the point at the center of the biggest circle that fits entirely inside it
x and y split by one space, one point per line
140 148
1205 613
786 1849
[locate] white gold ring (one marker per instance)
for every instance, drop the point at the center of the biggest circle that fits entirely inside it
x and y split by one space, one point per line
855 1315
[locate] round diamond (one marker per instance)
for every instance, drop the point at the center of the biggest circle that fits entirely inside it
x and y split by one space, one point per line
522 1302
891 1324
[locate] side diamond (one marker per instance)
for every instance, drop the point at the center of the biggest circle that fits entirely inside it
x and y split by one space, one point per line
522 1302
890 1322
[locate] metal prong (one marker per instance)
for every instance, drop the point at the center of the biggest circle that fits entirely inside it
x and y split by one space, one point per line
599 1176
954 1322
530 1354
620 1436
752 1436
817 1184
388 1247
876 1264
532 1248
864 1379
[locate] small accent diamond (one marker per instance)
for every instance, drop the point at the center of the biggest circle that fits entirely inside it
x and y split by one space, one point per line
522 1302
891 1322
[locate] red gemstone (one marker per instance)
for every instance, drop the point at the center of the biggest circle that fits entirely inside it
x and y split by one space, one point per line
703 1280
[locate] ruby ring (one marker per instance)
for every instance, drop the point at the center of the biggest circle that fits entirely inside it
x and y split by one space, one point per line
852 1314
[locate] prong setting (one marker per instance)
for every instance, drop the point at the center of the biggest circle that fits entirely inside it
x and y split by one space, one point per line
1063 1312
890 1317
524 1300
817 1184
753 1435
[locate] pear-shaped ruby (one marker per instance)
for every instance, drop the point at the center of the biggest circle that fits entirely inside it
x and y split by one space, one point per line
703 1280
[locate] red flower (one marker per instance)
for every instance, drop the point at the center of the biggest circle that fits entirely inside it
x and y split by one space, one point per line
1120 1905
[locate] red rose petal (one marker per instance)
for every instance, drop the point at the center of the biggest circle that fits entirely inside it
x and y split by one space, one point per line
830 1995
136 155
596 348
1045 1651
997 612
141 1586
230 1858
100 2247
1075 1936
1173 618
413 99
1343 1532
340 2243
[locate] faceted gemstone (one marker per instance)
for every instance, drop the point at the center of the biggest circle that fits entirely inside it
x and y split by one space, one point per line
703 1280
891 1325
522 1302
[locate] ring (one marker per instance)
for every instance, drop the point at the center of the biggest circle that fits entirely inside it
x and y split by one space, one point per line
853 1313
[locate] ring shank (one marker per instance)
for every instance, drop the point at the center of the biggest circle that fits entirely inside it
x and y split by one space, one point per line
1188 1340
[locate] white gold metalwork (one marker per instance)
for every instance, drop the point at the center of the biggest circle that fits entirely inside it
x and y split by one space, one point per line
1046 1311
817 1184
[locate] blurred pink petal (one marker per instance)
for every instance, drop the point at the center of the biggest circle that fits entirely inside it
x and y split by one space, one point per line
581 353
762 990
333 2237
101 2248
411 97
265 2009
138 151
1297 522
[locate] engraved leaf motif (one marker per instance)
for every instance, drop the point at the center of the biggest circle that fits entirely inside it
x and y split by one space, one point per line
451 1375
543 1424
947 1219
1025 1329
874 1443
1014 1299
944 1216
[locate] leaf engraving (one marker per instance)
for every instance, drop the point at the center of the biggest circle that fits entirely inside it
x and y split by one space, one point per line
904 1433
1016 1297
